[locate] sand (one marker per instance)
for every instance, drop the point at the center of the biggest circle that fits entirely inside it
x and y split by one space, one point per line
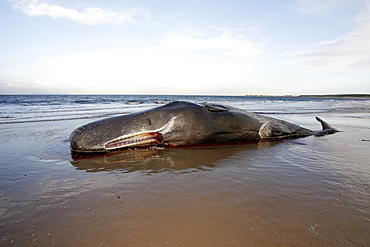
312 191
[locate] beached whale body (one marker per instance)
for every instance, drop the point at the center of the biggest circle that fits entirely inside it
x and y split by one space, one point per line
183 123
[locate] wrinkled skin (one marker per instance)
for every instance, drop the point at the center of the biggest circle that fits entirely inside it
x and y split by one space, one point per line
183 123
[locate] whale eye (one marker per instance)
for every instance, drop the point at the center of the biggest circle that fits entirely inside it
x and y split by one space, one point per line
216 108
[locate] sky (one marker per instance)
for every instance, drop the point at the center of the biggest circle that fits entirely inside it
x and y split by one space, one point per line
196 47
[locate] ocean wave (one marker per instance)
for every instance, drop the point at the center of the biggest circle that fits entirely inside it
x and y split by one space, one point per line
45 119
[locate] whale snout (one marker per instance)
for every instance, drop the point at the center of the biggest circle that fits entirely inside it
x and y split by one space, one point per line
87 139
80 142
102 136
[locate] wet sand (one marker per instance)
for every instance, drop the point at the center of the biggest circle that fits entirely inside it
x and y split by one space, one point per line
312 191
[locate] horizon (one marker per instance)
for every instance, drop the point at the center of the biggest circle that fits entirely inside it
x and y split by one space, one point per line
293 47
211 95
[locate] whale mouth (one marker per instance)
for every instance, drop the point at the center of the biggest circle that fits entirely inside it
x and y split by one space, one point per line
141 139
138 140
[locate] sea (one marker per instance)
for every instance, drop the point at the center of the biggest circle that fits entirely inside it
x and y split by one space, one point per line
312 191
39 108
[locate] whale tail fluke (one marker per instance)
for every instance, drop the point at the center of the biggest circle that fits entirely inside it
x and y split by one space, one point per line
326 128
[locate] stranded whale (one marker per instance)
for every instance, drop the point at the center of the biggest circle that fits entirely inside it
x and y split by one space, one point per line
184 123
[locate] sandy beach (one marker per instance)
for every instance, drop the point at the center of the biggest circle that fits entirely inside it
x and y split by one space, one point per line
312 191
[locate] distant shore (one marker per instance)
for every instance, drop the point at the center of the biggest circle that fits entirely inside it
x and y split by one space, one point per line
317 95
338 96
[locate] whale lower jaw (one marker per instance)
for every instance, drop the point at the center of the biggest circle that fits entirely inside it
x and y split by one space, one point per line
137 140
140 139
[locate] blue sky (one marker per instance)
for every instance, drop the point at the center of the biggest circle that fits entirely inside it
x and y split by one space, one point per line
218 47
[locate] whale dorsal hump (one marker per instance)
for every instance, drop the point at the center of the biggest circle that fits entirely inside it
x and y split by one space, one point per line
216 108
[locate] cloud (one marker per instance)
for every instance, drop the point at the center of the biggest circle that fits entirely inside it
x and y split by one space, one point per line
130 70
89 16
225 44
351 51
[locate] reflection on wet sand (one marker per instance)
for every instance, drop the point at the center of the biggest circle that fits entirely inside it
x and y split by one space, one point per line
160 160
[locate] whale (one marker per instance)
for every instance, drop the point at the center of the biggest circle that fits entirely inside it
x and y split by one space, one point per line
182 123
